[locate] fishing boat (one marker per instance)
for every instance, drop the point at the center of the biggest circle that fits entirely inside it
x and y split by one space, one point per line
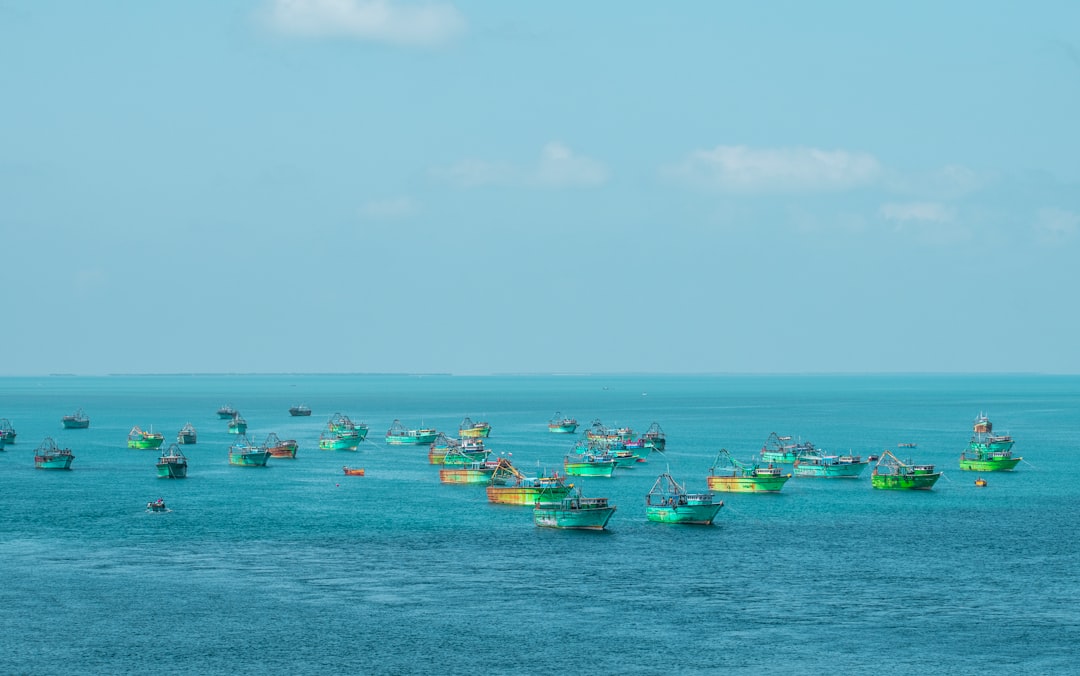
226 412
244 454
342 424
980 482
987 452
49 456
669 502
782 450
353 471
186 435
76 421
891 473
143 440
398 435
510 487
299 410
280 448
338 441
157 506
729 475
238 425
907 444
617 436
172 464
477 430
447 451
572 511
820 464
562 425
655 438
471 473
7 432
589 464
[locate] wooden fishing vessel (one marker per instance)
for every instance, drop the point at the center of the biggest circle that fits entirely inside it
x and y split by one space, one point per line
824 465
510 487
245 454
987 452
238 425
339 441
471 473
353 471
562 425
783 450
655 438
50 456
226 412
589 464
75 421
891 473
172 464
729 475
399 435
572 511
447 451
280 448
138 438
300 410
7 432
477 430
342 424
669 502
187 435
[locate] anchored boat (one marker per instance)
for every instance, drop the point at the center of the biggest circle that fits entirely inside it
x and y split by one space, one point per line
729 475
891 473
820 464
510 487
186 435
560 425
50 456
338 441
140 439
226 412
987 452
237 425
470 473
782 450
668 502
157 506
280 448
572 511
300 410
7 432
477 430
398 435
244 454
655 438
342 424
172 464
447 451
589 464
353 471
76 421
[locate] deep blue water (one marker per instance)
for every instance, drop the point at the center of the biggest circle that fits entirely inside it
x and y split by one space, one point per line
298 569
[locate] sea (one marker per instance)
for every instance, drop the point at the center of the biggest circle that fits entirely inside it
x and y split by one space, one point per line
296 568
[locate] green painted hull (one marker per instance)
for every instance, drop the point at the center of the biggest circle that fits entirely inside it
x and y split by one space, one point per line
904 482
604 469
146 443
465 475
702 515
251 459
779 458
1004 464
76 424
171 470
555 515
237 428
347 444
53 461
831 471
360 430
525 495
748 484
562 429
411 439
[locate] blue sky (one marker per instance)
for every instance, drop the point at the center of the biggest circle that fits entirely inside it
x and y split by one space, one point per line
481 187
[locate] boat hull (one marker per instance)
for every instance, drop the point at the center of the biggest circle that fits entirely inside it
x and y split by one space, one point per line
778 458
283 451
411 439
562 429
475 432
747 484
235 428
1005 464
346 444
75 424
171 470
53 461
252 459
548 515
525 495
831 471
603 468
186 439
146 444
904 482
701 515
465 475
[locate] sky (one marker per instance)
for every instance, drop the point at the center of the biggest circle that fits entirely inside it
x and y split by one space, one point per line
347 186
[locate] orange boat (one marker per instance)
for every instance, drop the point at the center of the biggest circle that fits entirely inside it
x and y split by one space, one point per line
355 471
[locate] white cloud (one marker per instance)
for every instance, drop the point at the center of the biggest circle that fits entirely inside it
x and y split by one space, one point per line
777 170
414 24
927 212
557 167
389 209
1053 226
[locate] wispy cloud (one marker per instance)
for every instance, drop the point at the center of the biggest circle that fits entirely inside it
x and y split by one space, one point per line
557 167
400 23
388 209
1053 226
926 212
740 169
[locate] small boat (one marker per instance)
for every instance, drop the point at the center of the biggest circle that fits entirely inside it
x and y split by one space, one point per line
668 502
478 430
655 438
472 473
300 410
398 435
782 450
572 511
140 439
244 454
987 452
226 412
561 425
237 425
447 451
338 441
353 471
820 464
729 475
980 482
157 506
342 424
510 487
280 448
907 445
76 421
7 432
589 464
891 473
49 456
186 435
172 464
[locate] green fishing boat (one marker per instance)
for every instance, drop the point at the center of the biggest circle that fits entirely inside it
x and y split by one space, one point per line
510 487
783 450
187 435
987 452
731 476
655 438
477 430
669 502
823 465
50 456
891 473
75 421
447 451
572 511
238 425
338 441
172 464
342 424
398 435
245 454
7 432
589 464
561 425
142 440
472 473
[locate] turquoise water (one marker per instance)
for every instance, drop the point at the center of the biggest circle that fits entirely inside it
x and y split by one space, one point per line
296 568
